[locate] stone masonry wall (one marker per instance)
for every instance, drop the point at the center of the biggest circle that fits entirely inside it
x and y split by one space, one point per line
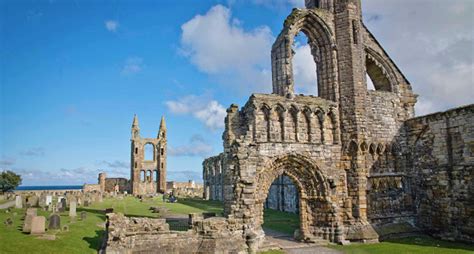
145 235
440 160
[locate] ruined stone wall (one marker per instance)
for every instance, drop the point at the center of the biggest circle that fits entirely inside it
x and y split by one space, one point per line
440 161
213 178
91 187
122 183
185 189
148 175
146 235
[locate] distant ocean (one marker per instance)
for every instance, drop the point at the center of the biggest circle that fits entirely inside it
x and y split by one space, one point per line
56 187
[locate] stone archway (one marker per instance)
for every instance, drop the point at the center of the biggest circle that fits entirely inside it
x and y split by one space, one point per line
318 218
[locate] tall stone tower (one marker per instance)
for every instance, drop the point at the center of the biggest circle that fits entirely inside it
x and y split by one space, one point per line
148 174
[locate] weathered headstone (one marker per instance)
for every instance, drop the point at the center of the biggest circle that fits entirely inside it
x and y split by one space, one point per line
86 203
18 202
72 209
32 211
63 203
38 225
27 223
66 228
54 221
33 201
83 215
49 200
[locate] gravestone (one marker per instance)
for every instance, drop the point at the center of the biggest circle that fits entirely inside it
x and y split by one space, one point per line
65 228
27 223
72 209
83 215
18 202
63 203
38 225
32 211
86 203
54 221
49 200
33 201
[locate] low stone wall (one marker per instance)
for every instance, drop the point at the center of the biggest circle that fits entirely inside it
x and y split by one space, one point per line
147 235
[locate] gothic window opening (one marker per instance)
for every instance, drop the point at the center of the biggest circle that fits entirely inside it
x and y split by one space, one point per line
305 71
149 176
376 75
149 152
142 176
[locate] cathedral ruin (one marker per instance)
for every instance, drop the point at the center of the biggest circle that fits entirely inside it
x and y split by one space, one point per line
352 161
148 174
361 165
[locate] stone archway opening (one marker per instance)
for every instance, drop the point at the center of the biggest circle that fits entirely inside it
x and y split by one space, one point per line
281 207
316 213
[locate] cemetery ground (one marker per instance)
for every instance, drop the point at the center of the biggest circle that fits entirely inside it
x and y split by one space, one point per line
85 236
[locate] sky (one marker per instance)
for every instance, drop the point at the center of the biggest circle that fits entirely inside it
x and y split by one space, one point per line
74 73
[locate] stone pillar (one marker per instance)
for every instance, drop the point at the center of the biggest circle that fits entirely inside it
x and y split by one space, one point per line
102 177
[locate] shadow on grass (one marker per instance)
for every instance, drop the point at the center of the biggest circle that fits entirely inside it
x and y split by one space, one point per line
95 242
101 213
425 240
205 205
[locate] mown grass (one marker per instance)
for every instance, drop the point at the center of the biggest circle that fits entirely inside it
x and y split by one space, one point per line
408 245
86 236
288 222
281 221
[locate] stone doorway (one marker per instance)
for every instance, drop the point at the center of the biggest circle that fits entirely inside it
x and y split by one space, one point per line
317 213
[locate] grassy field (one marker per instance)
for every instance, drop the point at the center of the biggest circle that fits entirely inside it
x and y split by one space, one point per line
281 221
288 222
85 236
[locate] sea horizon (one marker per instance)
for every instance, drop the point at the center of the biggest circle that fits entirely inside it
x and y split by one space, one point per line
48 187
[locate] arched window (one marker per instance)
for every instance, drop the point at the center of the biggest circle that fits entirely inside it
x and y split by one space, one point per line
149 176
149 152
305 71
142 176
157 176
377 75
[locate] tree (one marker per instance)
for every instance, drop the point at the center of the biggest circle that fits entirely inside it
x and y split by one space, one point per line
9 181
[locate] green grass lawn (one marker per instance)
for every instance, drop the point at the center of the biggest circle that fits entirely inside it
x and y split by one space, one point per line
408 245
281 221
288 222
85 236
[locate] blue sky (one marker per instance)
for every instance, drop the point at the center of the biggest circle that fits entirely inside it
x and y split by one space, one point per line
73 74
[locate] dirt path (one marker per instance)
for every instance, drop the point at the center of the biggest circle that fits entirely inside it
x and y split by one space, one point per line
7 204
274 239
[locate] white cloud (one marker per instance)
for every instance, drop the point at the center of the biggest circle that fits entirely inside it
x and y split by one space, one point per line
197 146
208 111
132 66
304 71
217 44
111 25
433 44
